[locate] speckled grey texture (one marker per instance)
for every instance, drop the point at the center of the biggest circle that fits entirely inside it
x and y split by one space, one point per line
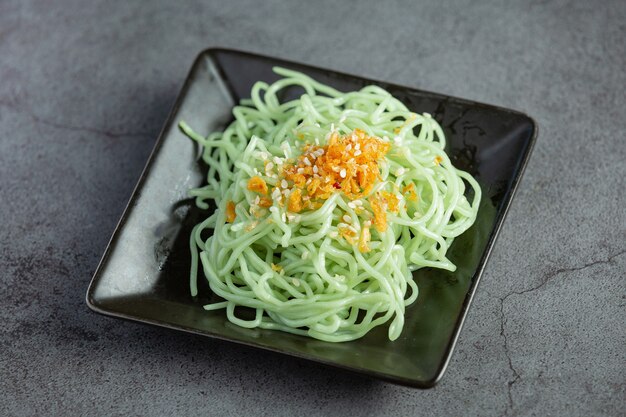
84 90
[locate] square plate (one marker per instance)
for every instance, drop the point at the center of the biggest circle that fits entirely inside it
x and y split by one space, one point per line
143 274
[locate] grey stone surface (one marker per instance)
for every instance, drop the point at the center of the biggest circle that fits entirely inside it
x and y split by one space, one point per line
84 90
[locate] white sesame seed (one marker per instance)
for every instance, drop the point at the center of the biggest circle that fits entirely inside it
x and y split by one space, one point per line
349 147
236 227
367 223
277 160
347 218
343 174
264 156
300 170
269 166
357 146
286 192
274 209
284 184
358 202
315 169
351 205
257 200
341 225
308 181
306 161
358 152
276 194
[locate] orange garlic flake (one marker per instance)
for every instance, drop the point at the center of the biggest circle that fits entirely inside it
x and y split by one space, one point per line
230 212
258 185
347 164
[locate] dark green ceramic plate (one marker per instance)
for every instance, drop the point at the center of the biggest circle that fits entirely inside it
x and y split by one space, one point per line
143 274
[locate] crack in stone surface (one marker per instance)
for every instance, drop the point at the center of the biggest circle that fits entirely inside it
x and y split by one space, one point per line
545 279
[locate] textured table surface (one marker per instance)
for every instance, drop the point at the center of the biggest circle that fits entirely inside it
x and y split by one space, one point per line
84 90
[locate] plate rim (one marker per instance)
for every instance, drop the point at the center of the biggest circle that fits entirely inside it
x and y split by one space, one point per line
93 304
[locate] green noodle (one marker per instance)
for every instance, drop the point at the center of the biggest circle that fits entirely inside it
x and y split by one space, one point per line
324 287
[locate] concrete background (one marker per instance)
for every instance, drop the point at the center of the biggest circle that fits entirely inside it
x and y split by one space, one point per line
84 90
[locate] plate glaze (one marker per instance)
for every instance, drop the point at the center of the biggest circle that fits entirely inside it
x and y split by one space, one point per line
143 274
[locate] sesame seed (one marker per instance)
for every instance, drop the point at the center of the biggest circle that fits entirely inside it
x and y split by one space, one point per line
351 205
269 166
300 170
367 223
341 225
257 200
358 202
357 146
342 174
284 184
277 160
264 156
349 147
306 161
347 218
358 152
274 209
236 227
315 169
